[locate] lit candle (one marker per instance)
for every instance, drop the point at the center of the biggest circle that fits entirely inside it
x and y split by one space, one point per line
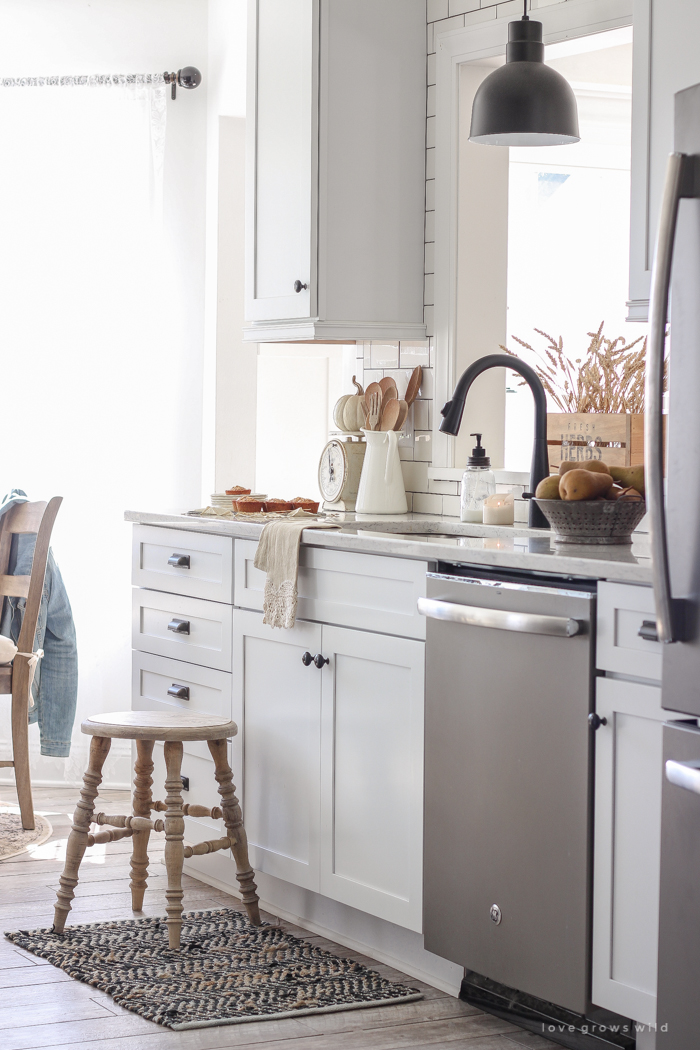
499 509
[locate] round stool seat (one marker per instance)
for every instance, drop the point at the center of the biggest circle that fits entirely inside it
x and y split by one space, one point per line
151 725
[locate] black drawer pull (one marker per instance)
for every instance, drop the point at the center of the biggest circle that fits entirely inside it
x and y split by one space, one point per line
179 561
182 692
179 626
298 286
648 631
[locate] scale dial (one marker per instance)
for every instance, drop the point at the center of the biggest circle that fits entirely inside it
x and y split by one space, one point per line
333 471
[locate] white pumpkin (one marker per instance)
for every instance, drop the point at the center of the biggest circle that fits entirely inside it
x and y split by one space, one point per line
338 411
353 416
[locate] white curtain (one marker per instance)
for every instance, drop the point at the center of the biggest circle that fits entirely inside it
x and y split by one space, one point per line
94 381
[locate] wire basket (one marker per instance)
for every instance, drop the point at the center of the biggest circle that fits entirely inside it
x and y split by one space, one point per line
592 520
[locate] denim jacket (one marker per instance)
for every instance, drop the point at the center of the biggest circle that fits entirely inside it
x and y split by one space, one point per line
55 686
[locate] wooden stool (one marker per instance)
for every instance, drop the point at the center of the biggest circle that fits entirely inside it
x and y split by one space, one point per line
145 727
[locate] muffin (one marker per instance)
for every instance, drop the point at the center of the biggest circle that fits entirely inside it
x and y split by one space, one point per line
309 505
248 505
238 490
277 506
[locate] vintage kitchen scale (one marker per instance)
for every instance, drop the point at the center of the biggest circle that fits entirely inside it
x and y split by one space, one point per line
339 471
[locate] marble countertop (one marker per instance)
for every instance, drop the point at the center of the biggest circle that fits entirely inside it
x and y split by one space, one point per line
427 537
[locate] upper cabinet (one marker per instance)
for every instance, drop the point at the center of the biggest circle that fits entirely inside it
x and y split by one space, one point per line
335 194
666 60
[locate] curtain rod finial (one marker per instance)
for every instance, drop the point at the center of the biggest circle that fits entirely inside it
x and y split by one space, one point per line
188 77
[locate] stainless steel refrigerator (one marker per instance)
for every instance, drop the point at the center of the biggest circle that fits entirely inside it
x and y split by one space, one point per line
675 535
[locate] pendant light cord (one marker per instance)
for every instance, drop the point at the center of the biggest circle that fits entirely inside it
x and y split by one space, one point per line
526 17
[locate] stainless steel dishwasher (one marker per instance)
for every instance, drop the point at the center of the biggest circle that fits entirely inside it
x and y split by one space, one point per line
508 777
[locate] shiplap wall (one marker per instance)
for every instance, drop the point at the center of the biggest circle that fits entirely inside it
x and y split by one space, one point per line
398 359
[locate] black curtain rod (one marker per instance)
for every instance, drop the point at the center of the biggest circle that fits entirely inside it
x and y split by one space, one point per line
188 77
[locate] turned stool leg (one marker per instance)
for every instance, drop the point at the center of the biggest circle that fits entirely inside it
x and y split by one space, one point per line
234 828
174 836
77 840
142 808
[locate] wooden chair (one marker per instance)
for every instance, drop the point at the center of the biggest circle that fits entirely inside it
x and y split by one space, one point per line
16 678
145 727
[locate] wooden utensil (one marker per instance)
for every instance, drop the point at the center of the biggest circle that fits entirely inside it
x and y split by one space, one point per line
414 385
403 412
387 383
389 394
373 388
365 412
390 415
375 409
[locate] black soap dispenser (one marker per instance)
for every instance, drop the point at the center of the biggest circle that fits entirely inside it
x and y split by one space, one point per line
478 482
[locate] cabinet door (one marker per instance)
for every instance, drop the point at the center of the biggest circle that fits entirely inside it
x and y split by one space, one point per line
372 774
277 701
282 159
627 848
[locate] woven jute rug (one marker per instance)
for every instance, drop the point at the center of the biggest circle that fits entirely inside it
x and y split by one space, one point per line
226 972
13 838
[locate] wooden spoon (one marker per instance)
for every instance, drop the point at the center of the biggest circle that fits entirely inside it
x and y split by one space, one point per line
403 412
390 394
373 388
414 385
390 415
387 383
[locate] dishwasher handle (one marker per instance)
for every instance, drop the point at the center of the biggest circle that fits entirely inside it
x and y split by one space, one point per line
500 619
684 775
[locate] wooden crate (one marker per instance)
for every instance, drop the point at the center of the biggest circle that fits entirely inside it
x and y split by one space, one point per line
618 439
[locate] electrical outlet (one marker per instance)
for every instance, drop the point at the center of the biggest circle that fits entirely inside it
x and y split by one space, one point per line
185 783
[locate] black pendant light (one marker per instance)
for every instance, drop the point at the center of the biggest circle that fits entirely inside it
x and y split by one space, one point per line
524 102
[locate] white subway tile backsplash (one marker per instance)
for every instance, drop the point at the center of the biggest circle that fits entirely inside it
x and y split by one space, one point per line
429 286
366 351
405 452
429 227
459 7
511 9
401 377
372 375
423 503
437 9
429 319
415 476
430 195
423 446
430 132
444 488
431 69
430 258
450 506
412 354
422 415
384 355
479 16
430 38
430 164
431 101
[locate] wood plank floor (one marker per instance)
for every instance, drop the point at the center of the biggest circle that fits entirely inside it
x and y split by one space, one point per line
41 1006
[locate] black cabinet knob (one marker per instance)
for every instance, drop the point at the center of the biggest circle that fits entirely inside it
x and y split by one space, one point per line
320 660
595 721
307 659
298 286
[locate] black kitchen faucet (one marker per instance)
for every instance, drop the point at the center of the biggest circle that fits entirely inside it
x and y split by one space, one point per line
453 409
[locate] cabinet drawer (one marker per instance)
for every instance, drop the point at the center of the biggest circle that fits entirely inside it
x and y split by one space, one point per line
207 569
343 588
622 608
208 692
206 638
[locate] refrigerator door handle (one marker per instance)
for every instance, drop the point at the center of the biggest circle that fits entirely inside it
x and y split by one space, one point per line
679 182
500 619
684 774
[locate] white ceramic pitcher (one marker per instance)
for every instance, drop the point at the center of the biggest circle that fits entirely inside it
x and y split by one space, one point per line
381 488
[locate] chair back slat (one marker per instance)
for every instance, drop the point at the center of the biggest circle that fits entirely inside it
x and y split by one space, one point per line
25 642
25 517
14 586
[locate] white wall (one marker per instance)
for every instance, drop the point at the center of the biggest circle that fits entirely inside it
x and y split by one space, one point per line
41 37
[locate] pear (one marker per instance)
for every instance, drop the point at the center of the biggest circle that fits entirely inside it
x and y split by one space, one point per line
629 477
596 465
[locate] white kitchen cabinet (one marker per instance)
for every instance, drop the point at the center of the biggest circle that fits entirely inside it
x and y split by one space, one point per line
628 776
277 705
333 762
335 193
666 60
372 774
